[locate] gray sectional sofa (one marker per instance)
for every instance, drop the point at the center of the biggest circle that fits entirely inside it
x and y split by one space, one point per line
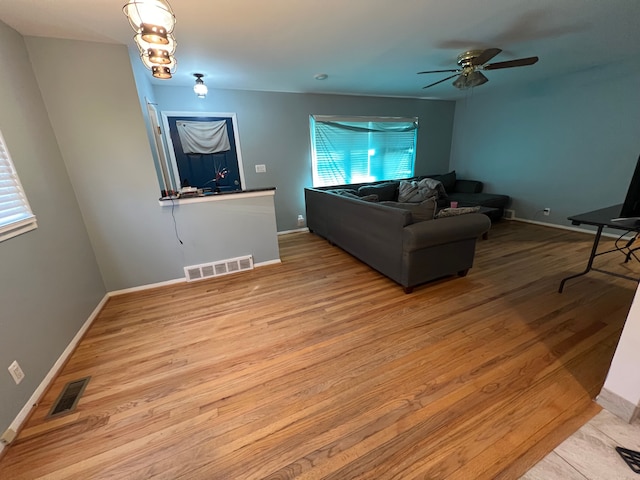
389 240
468 193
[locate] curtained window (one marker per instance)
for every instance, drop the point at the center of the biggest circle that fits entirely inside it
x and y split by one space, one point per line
362 149
204 150
16 216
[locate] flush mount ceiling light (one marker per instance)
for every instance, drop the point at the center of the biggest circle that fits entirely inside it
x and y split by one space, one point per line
153 21
200 89
321 76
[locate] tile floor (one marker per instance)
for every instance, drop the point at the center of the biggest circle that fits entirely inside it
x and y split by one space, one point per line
589 454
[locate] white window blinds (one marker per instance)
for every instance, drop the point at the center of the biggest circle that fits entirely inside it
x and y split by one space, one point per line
362 149
15 214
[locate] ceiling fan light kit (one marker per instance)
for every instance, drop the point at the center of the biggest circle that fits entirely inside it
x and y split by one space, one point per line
472 62
154 21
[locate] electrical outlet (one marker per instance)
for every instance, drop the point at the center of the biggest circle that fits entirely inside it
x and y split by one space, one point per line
261 168
16 372
300 221
546 211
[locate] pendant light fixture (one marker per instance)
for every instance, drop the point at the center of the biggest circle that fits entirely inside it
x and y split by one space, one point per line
156 53
200 89
154 21
158 70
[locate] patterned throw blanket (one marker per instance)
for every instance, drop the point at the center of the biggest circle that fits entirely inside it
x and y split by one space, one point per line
417 191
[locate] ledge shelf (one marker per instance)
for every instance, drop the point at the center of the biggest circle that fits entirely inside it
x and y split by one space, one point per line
238 194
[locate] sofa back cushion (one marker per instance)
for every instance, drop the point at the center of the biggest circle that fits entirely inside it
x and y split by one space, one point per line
448 180
420 212
347 192
387 191
468 186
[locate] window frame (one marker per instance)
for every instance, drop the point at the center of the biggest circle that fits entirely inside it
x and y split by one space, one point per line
17 227
313 119
173 164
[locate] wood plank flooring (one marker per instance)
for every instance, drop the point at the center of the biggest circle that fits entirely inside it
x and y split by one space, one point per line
322 368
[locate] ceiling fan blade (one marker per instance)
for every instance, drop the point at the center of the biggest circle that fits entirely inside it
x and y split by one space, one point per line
520 62
440 71
440 81
485 56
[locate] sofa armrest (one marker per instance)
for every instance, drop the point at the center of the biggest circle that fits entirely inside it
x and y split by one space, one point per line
444 230
468 186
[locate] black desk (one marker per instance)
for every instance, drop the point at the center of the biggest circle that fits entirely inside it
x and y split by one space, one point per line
601 219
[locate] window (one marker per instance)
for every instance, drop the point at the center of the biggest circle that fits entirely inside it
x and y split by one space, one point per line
15 214
204 149
362 149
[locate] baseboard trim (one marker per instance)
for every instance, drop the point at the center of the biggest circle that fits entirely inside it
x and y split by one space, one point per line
33 401
296 230
562 227
268 262
621 407
148 286
175 281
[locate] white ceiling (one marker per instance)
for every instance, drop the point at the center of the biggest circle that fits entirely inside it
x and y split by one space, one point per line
367 47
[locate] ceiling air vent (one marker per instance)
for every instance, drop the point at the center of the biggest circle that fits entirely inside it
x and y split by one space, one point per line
215 269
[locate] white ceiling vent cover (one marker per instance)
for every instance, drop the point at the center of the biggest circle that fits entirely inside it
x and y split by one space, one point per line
216 269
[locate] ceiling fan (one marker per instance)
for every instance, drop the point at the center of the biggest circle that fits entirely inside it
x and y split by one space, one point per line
472 62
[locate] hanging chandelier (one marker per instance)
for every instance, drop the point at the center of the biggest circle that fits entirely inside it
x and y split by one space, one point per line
154 21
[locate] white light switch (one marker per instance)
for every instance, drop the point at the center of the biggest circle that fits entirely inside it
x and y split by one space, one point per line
261 168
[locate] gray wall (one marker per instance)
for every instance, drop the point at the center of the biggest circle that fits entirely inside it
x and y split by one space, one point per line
570 143
274 131
91 99
49 280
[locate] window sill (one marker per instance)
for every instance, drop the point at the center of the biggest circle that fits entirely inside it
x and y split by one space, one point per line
256 192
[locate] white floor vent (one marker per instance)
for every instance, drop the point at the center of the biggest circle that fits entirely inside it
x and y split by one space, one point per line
215 269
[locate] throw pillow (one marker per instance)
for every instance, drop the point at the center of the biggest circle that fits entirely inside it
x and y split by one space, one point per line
452 212
387 191
419 211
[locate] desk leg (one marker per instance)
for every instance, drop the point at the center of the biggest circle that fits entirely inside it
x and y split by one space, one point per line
594 249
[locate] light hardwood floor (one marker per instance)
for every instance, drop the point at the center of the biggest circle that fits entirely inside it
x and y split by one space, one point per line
322 368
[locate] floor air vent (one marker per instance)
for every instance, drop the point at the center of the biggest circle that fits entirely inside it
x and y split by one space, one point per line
215 269
69 397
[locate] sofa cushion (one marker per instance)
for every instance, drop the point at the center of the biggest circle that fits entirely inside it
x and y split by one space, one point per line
344 191
468 186
420 212
417 191
370 198
387 191
448 180
452 212
483 199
